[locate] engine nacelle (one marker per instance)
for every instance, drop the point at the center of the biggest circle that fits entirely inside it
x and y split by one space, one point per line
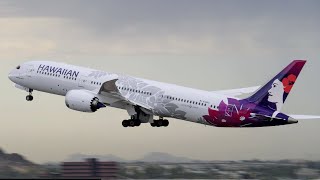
84 101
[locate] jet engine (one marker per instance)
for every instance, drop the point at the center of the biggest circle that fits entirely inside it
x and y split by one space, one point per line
84 101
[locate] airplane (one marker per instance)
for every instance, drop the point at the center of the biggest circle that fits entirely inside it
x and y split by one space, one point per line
88 90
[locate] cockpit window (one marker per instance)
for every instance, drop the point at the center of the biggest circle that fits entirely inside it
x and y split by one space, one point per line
18 67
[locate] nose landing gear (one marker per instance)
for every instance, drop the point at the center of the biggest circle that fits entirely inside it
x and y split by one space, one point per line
29 97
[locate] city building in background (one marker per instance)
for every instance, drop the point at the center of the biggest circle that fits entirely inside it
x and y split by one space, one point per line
91 168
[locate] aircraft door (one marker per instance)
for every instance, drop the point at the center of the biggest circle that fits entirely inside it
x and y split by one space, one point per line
83 81
29 70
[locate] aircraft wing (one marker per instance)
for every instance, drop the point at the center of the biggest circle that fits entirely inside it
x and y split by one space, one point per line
237 92
109 89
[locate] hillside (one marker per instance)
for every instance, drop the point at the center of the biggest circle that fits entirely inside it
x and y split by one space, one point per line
16 166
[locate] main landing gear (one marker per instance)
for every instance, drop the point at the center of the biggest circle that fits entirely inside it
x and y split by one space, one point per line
29 97
160 122
131 122
141 116
136 122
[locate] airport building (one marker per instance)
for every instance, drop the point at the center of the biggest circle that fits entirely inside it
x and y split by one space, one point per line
90 169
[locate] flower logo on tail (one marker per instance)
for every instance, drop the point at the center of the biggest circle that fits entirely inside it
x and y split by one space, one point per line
288 82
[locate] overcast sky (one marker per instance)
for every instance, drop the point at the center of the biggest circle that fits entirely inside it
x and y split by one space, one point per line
203 44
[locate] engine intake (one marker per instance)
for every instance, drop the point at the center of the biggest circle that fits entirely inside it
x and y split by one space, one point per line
81 100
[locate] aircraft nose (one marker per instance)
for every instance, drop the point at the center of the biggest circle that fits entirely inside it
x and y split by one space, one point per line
11 76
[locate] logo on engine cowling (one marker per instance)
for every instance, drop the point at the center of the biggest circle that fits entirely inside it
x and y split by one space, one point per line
96 104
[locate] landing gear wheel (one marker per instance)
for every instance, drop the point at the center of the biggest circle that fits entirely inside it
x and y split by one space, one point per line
131 123
29 98
125 123
159 123
137 123
165 123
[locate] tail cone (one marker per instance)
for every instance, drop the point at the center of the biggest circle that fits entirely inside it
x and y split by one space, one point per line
292 121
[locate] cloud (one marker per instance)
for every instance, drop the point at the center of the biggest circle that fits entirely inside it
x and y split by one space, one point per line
175 27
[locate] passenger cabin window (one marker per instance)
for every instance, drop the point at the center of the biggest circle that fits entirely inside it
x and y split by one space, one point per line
18 67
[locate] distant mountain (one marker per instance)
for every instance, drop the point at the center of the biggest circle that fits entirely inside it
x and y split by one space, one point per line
13 158
164 157
81 157
14 165
150 157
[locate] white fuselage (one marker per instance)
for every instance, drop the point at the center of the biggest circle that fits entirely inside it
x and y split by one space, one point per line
165 100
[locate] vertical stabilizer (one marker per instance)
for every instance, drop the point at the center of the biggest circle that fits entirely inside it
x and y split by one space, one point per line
273 94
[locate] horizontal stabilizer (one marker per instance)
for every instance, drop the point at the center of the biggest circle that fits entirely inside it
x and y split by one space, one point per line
295 116
237 92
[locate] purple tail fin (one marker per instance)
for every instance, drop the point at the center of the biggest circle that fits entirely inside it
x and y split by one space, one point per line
275 92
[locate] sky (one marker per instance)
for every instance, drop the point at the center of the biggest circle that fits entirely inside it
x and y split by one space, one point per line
206 44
